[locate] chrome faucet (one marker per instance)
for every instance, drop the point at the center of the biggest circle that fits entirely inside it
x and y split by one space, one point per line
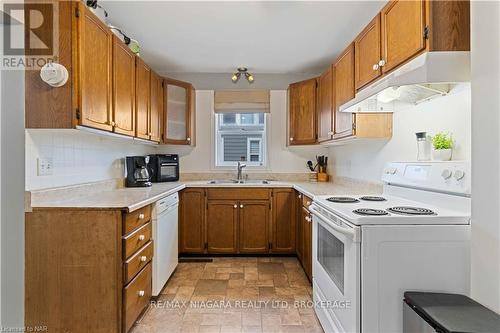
240 167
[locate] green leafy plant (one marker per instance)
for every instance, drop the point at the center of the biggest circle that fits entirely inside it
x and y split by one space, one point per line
442 141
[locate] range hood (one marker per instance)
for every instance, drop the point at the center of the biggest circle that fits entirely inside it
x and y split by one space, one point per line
429 75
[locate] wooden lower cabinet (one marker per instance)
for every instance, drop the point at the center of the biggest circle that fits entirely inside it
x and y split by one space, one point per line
192 220
222 226
254 226
283 226
299 239
307 242
81 272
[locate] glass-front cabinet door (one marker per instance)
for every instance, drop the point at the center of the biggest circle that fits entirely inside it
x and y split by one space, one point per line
179 112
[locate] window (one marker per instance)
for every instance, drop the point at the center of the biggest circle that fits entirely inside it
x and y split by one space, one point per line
240 137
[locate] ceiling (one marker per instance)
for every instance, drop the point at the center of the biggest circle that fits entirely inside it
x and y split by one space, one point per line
216 37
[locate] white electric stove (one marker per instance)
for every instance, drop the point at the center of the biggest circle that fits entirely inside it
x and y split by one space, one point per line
369 249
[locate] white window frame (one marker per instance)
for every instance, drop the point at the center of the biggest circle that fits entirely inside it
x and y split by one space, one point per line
260 148
219 142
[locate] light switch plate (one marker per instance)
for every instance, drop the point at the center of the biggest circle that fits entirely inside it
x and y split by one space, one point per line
45 166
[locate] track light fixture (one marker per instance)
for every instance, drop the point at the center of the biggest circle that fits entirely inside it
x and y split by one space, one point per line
242 70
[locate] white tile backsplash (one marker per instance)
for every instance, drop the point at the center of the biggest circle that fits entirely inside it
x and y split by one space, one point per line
78 157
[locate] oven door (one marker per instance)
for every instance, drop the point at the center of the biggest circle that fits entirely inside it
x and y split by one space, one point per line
169 171
336 269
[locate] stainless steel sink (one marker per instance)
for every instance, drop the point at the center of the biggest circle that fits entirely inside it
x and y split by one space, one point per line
234 181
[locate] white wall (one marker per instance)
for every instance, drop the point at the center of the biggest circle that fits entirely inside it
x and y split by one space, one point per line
452 113
485 65
282 159
78 157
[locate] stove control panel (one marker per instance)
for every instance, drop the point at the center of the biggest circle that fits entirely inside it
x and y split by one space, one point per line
450 177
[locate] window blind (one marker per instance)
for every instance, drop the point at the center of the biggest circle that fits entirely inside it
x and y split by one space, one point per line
241 101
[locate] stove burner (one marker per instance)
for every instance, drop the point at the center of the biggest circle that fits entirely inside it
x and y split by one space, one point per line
405 210
372 198
343 199
370 212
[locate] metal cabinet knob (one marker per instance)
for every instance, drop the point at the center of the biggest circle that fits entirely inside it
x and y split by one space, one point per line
331 133
381 63
141 216
241 206
376 67
142 237
308 203
112 123
141 293
235 206
291 139
300 196
188 139
308 218
144 258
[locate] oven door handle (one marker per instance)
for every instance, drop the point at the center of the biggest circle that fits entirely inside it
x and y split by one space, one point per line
345 231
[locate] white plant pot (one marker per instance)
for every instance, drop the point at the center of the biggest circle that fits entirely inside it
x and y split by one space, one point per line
441 154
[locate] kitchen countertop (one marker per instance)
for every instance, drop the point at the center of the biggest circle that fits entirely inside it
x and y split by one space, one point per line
109 195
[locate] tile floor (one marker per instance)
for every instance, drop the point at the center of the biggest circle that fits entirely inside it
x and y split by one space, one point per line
234 295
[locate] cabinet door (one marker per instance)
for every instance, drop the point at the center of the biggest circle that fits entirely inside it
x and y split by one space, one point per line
299 243
142 98
123 88
283 226
254 226
325 107
307 242
222 223
192 221
156 97
94 69
367 52
302 108
179 112
403 24
344 91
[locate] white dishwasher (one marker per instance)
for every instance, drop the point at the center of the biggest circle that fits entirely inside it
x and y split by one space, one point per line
165 236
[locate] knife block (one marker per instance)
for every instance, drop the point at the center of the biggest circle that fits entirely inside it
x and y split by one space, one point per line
322 177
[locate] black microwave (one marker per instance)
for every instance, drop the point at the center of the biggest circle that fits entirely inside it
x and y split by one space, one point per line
164 168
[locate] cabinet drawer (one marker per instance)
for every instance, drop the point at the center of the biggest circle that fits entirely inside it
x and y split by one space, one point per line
132 221
135 263
306 201
238 194
136 240
136 296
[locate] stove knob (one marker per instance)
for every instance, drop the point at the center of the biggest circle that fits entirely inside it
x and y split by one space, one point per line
446 174
459 174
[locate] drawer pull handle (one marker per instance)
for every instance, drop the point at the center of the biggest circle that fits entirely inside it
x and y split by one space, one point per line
144 258
141 293
142 237
141 216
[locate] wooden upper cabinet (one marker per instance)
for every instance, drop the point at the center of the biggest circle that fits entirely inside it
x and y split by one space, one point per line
325 106
222 224
283 223
368 54
254 226
302 112
142 98
403 27
123 88
156 109
192 221
94 53
179 112
344 91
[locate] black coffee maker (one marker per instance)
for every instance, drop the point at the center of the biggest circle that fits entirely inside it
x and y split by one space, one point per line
138 174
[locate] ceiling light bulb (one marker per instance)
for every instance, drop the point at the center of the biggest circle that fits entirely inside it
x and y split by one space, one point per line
235 77
250 78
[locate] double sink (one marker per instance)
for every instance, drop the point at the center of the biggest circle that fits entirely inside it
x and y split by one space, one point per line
235 181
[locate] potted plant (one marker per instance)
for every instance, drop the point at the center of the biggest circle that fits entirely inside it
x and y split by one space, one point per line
442 145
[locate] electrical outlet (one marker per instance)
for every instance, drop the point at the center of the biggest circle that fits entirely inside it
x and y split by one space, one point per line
45 166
